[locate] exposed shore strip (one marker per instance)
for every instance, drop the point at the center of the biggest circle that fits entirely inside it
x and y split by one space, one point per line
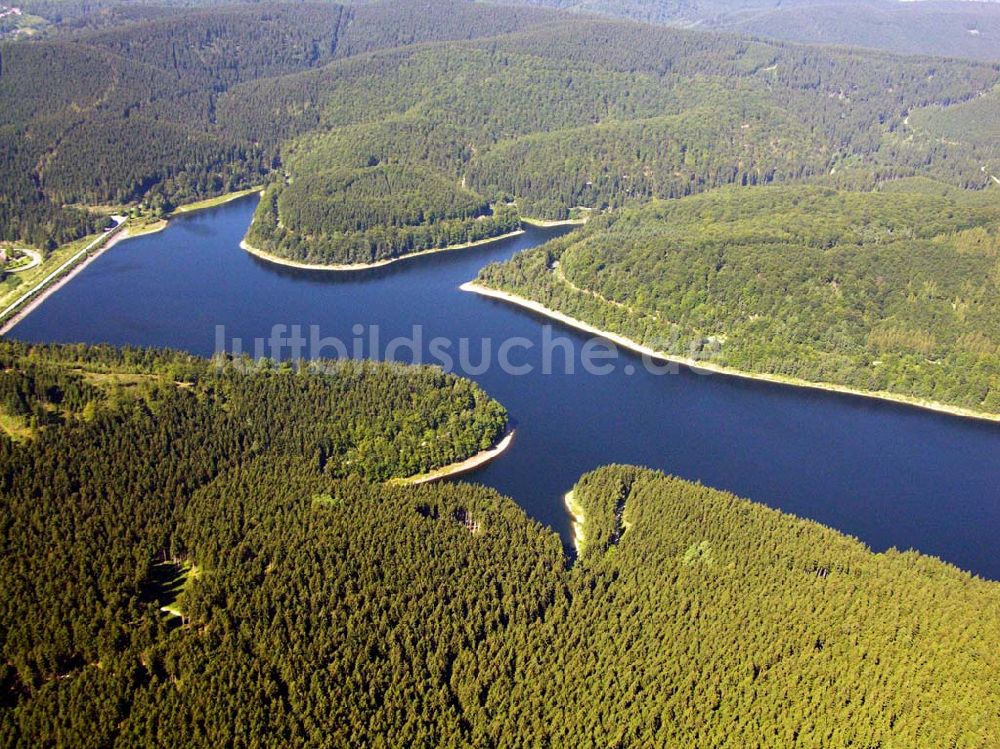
546 224
353 267
708 367
46 288
61 276
200 205
578 520
469 464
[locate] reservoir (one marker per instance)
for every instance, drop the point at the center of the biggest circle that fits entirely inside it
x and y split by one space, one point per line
889 474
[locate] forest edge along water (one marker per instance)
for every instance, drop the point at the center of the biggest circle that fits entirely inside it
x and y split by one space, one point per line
890 474
468 465
353 267
704 366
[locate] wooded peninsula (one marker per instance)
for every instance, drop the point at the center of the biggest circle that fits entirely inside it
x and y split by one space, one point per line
199 553
238 553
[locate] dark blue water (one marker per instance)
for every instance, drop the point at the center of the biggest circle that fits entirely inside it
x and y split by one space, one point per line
888 474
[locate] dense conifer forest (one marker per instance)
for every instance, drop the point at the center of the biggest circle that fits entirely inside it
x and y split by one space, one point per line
599 114
371 214
493 107
205 553
129 111
948 29
896 290
216 553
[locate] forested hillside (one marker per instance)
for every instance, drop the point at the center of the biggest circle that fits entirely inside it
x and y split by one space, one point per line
597 114
371 214
128 113
499 107
949 28
219 553
891 291
706 620
203 554
971 124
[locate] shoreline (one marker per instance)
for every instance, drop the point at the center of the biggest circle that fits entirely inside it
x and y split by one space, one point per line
575 512
707 367
55 281
36 298
545 224
152 228
465 466
200 205
355 267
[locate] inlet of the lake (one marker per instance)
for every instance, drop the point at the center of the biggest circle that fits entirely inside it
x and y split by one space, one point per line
891 475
